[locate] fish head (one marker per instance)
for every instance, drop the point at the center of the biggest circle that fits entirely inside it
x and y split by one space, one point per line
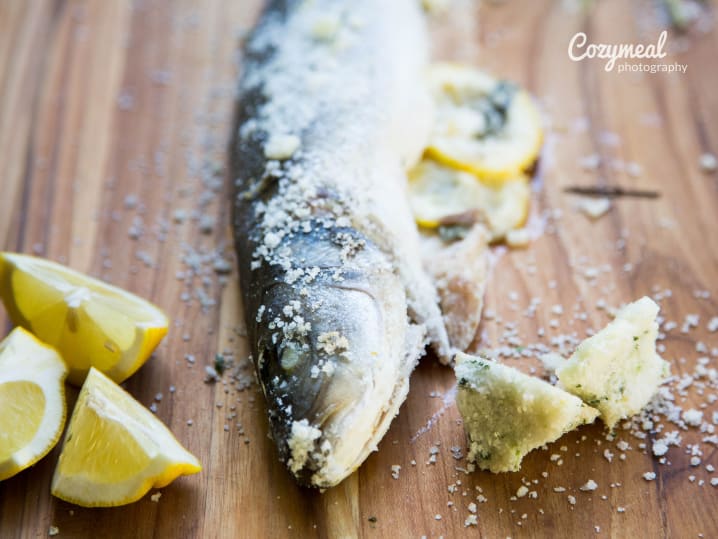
331 357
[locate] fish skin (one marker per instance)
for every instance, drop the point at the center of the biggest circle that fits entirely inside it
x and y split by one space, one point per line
337 305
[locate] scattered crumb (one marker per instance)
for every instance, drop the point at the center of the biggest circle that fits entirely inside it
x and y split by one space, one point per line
594 207
281 147
518 237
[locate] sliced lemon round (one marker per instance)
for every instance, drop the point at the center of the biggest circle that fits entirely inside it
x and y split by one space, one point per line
440 195
90 323
115 450
32 401
485 126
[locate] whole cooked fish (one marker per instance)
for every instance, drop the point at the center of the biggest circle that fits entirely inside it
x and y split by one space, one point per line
332 109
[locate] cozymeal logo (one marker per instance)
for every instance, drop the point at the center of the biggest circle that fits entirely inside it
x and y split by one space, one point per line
580 49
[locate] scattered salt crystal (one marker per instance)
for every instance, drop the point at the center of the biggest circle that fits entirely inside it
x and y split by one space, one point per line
659 448
179 216
131 202
708 162
206 224
649 476
156 497
211 373
271 240
634 169
589 485
590 162
693 417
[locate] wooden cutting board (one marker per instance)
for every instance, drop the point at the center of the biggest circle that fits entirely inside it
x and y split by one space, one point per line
113 129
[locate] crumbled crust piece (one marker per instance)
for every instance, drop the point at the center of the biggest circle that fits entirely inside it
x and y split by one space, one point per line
507 413
618 370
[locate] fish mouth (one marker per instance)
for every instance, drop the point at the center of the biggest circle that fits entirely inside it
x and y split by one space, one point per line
334 368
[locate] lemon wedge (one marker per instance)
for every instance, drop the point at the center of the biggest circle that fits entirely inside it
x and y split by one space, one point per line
89 322
115 449
32 401
439 195
485 126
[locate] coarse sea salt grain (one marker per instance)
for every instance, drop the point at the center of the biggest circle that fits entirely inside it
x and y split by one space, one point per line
708 162
659 449
693 417
589 486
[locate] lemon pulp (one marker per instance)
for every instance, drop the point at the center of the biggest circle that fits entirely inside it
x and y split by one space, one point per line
89 322
32 401
115 450
485 126
439 195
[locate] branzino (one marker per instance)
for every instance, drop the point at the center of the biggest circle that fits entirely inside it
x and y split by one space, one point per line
331 111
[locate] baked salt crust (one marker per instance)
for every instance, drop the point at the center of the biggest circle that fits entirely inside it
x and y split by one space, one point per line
618 370
507 413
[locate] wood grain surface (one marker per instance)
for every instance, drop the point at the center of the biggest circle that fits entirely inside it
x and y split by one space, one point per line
114 121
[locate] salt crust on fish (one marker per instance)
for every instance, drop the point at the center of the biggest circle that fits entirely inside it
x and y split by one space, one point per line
332 110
